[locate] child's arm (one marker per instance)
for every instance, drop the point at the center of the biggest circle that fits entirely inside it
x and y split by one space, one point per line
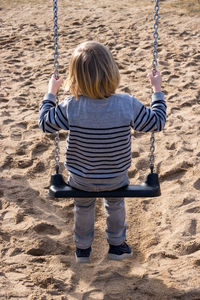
154 118
52 118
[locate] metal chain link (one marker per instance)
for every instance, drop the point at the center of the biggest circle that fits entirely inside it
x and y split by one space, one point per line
155 55
56 74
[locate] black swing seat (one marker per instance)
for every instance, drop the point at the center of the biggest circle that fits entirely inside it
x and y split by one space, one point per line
150 188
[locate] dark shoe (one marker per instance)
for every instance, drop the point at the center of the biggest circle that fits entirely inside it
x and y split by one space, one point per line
83 255
119 252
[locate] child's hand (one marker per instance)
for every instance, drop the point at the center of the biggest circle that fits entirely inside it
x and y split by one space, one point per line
155 81
54 85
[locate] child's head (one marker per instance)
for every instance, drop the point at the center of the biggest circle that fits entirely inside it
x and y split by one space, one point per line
93 71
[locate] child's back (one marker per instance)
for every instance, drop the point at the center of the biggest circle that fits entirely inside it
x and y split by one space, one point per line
99 142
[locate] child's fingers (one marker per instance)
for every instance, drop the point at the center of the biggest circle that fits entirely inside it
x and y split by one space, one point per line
153 74
60 81
149 75
57 81
56 77
54 84
156 73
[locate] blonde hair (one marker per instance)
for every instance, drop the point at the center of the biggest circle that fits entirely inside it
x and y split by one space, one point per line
92 71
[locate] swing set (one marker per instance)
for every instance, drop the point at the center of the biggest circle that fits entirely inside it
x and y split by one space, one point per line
149 188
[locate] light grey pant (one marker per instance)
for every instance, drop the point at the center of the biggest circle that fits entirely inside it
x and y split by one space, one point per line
84 211
84 217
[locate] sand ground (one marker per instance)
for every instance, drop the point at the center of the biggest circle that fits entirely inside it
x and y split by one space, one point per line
36 232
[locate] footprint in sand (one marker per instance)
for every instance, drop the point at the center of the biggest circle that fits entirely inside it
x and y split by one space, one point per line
6 237
25 163
13 61
187 248
39 148
7 164
192 247
176 172
45 246
142 164
132 173
187 201
8 121
135 154
27 83
21 150
16 135
191 64
15 252
93 295
39 168
170 145
194 210
45 228
22 125
3 99
46 281
172 97
162 255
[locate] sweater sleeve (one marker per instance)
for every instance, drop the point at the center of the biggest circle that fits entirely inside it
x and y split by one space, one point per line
51 117
149 119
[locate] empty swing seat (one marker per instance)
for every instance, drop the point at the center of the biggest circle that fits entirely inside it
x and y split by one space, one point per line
150 188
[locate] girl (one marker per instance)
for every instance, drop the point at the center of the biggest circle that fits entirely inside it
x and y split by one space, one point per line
98 152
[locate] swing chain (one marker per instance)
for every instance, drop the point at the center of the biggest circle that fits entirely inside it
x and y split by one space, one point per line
152 149
56 74
155 55
155 35
55 29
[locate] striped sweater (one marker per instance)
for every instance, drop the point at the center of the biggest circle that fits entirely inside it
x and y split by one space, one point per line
99 139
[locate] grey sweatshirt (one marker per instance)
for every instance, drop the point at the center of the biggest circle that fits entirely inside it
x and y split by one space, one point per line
99 139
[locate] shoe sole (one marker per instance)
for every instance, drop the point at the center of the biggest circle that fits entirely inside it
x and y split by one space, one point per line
119 257
82 259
